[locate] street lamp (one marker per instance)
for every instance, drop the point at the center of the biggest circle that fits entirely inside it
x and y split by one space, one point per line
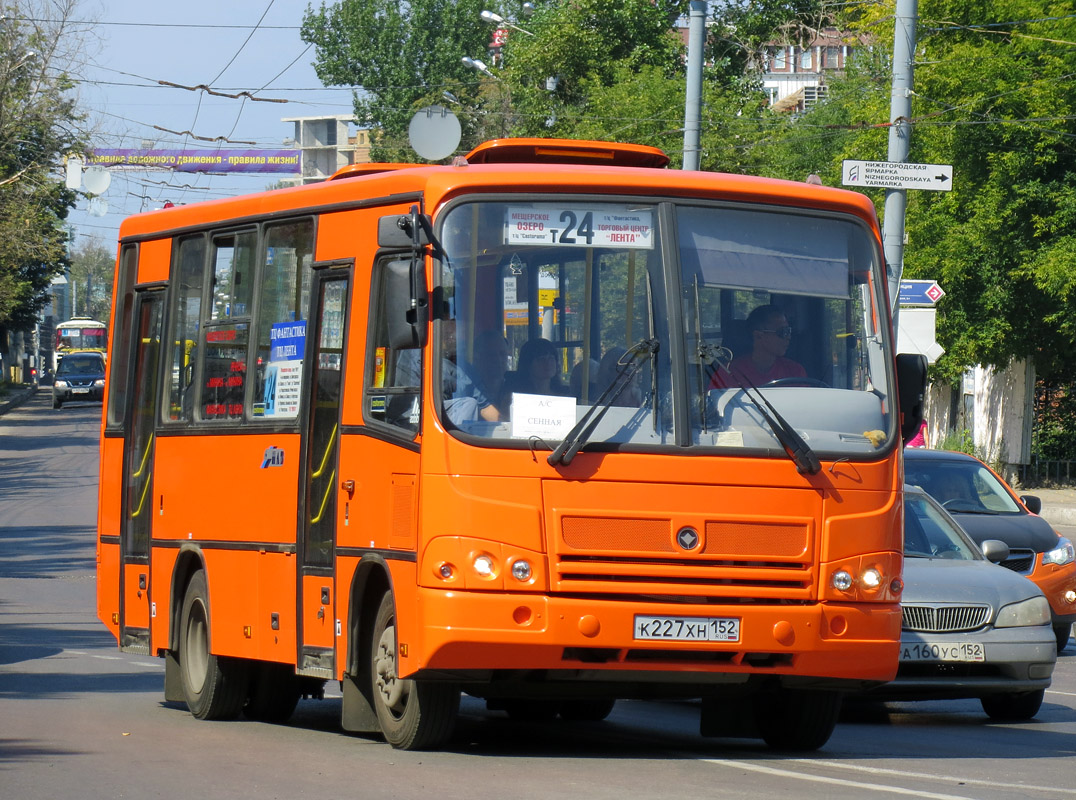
497 19
474 63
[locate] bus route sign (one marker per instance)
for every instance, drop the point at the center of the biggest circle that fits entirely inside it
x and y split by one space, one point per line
895 175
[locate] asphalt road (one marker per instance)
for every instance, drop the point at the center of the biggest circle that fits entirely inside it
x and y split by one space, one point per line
79 719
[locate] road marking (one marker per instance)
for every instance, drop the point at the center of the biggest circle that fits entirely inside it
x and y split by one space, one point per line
925 775
1065 694
785 773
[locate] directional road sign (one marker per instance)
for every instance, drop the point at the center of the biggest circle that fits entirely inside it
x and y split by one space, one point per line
920 293
893 175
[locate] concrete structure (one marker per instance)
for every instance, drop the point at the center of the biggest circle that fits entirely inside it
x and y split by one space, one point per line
326 144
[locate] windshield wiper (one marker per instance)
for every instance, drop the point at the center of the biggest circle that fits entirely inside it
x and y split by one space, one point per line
791 442
627 366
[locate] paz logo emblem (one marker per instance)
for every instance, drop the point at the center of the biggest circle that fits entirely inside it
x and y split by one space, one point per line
687 538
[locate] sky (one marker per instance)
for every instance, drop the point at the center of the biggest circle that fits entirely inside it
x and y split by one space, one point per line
230 46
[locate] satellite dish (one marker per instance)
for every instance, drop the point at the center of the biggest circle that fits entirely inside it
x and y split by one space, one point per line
97 207
434 133
96 179
74 172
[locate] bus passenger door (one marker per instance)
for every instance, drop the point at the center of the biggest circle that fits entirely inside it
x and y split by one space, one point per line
138 474
321 447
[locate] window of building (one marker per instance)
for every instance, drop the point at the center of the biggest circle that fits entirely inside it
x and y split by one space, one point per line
832 57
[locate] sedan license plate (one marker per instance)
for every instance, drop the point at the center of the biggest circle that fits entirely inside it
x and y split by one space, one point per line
688 629
934 651
80 391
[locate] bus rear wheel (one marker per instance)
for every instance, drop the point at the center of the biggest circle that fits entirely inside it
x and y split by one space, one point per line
214 687
413 715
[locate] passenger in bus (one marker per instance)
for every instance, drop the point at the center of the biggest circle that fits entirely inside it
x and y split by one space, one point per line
537 371
575 382
488 369
770 335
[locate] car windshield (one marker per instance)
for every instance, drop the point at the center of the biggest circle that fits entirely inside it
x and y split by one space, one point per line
552 309
80 365
931 533
961 486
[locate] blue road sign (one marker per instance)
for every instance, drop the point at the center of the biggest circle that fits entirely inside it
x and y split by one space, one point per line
920 293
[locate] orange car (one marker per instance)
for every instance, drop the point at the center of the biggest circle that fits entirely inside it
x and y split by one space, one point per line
987 508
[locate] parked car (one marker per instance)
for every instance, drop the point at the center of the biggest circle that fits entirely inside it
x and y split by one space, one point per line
80 376
987 508
971 629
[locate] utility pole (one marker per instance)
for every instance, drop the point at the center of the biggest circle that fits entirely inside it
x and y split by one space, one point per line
900 134
696 39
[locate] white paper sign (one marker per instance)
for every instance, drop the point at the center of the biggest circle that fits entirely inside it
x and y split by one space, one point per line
542 415
586 226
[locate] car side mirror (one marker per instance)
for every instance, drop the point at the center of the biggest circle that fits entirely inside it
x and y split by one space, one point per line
1034 504
995 550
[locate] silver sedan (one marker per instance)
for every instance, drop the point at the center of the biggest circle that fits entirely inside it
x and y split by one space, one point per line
972 629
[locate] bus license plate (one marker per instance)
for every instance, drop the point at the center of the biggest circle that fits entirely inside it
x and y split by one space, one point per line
688 629
932 651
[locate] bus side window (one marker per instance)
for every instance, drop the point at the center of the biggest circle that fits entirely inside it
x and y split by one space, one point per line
393 381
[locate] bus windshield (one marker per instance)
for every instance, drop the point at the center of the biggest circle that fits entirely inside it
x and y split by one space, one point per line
692 325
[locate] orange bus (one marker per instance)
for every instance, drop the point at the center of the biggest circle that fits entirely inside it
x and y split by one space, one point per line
485 428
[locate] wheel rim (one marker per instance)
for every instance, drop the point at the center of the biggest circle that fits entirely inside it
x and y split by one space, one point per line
196 646
391 690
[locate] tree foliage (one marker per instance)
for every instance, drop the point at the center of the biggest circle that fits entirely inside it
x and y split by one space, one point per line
37 116
994 97
92 269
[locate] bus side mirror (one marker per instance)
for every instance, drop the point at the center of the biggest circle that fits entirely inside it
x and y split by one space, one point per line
407 303
911 392
403 230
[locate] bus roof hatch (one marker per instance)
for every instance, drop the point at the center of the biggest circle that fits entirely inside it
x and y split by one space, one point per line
567 151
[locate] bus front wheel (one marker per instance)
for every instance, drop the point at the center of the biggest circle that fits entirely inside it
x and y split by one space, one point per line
797 719
413 715
214 687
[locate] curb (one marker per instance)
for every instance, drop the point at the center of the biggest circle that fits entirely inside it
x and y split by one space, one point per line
1059 515
19 397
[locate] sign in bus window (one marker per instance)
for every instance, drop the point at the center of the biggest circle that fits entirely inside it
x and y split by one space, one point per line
224 371
283 375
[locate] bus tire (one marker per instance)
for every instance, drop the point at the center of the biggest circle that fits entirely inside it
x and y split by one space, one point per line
796 719
413 715
214 687
274 693
587 710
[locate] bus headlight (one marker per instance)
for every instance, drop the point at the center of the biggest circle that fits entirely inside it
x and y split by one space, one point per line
841 580
484 566
521 570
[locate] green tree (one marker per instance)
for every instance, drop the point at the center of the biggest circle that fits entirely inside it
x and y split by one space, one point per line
994 97
38 119
93 266
399 57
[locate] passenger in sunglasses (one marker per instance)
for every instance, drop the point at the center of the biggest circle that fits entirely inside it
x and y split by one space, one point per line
770 337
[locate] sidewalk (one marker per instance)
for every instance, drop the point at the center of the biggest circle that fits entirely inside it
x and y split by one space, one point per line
16 398
1058 505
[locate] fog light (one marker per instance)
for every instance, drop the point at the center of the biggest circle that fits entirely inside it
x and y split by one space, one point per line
896 586
445 571
1070 596
871 578
483 565
841 580
521 570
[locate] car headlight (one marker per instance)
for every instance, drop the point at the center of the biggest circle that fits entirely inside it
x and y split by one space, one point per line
1035 611
61 384
1064 553
99 383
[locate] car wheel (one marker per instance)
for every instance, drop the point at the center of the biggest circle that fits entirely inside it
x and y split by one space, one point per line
1062 633
1014 706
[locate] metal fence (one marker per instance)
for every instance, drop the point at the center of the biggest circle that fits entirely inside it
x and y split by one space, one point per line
1046 473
